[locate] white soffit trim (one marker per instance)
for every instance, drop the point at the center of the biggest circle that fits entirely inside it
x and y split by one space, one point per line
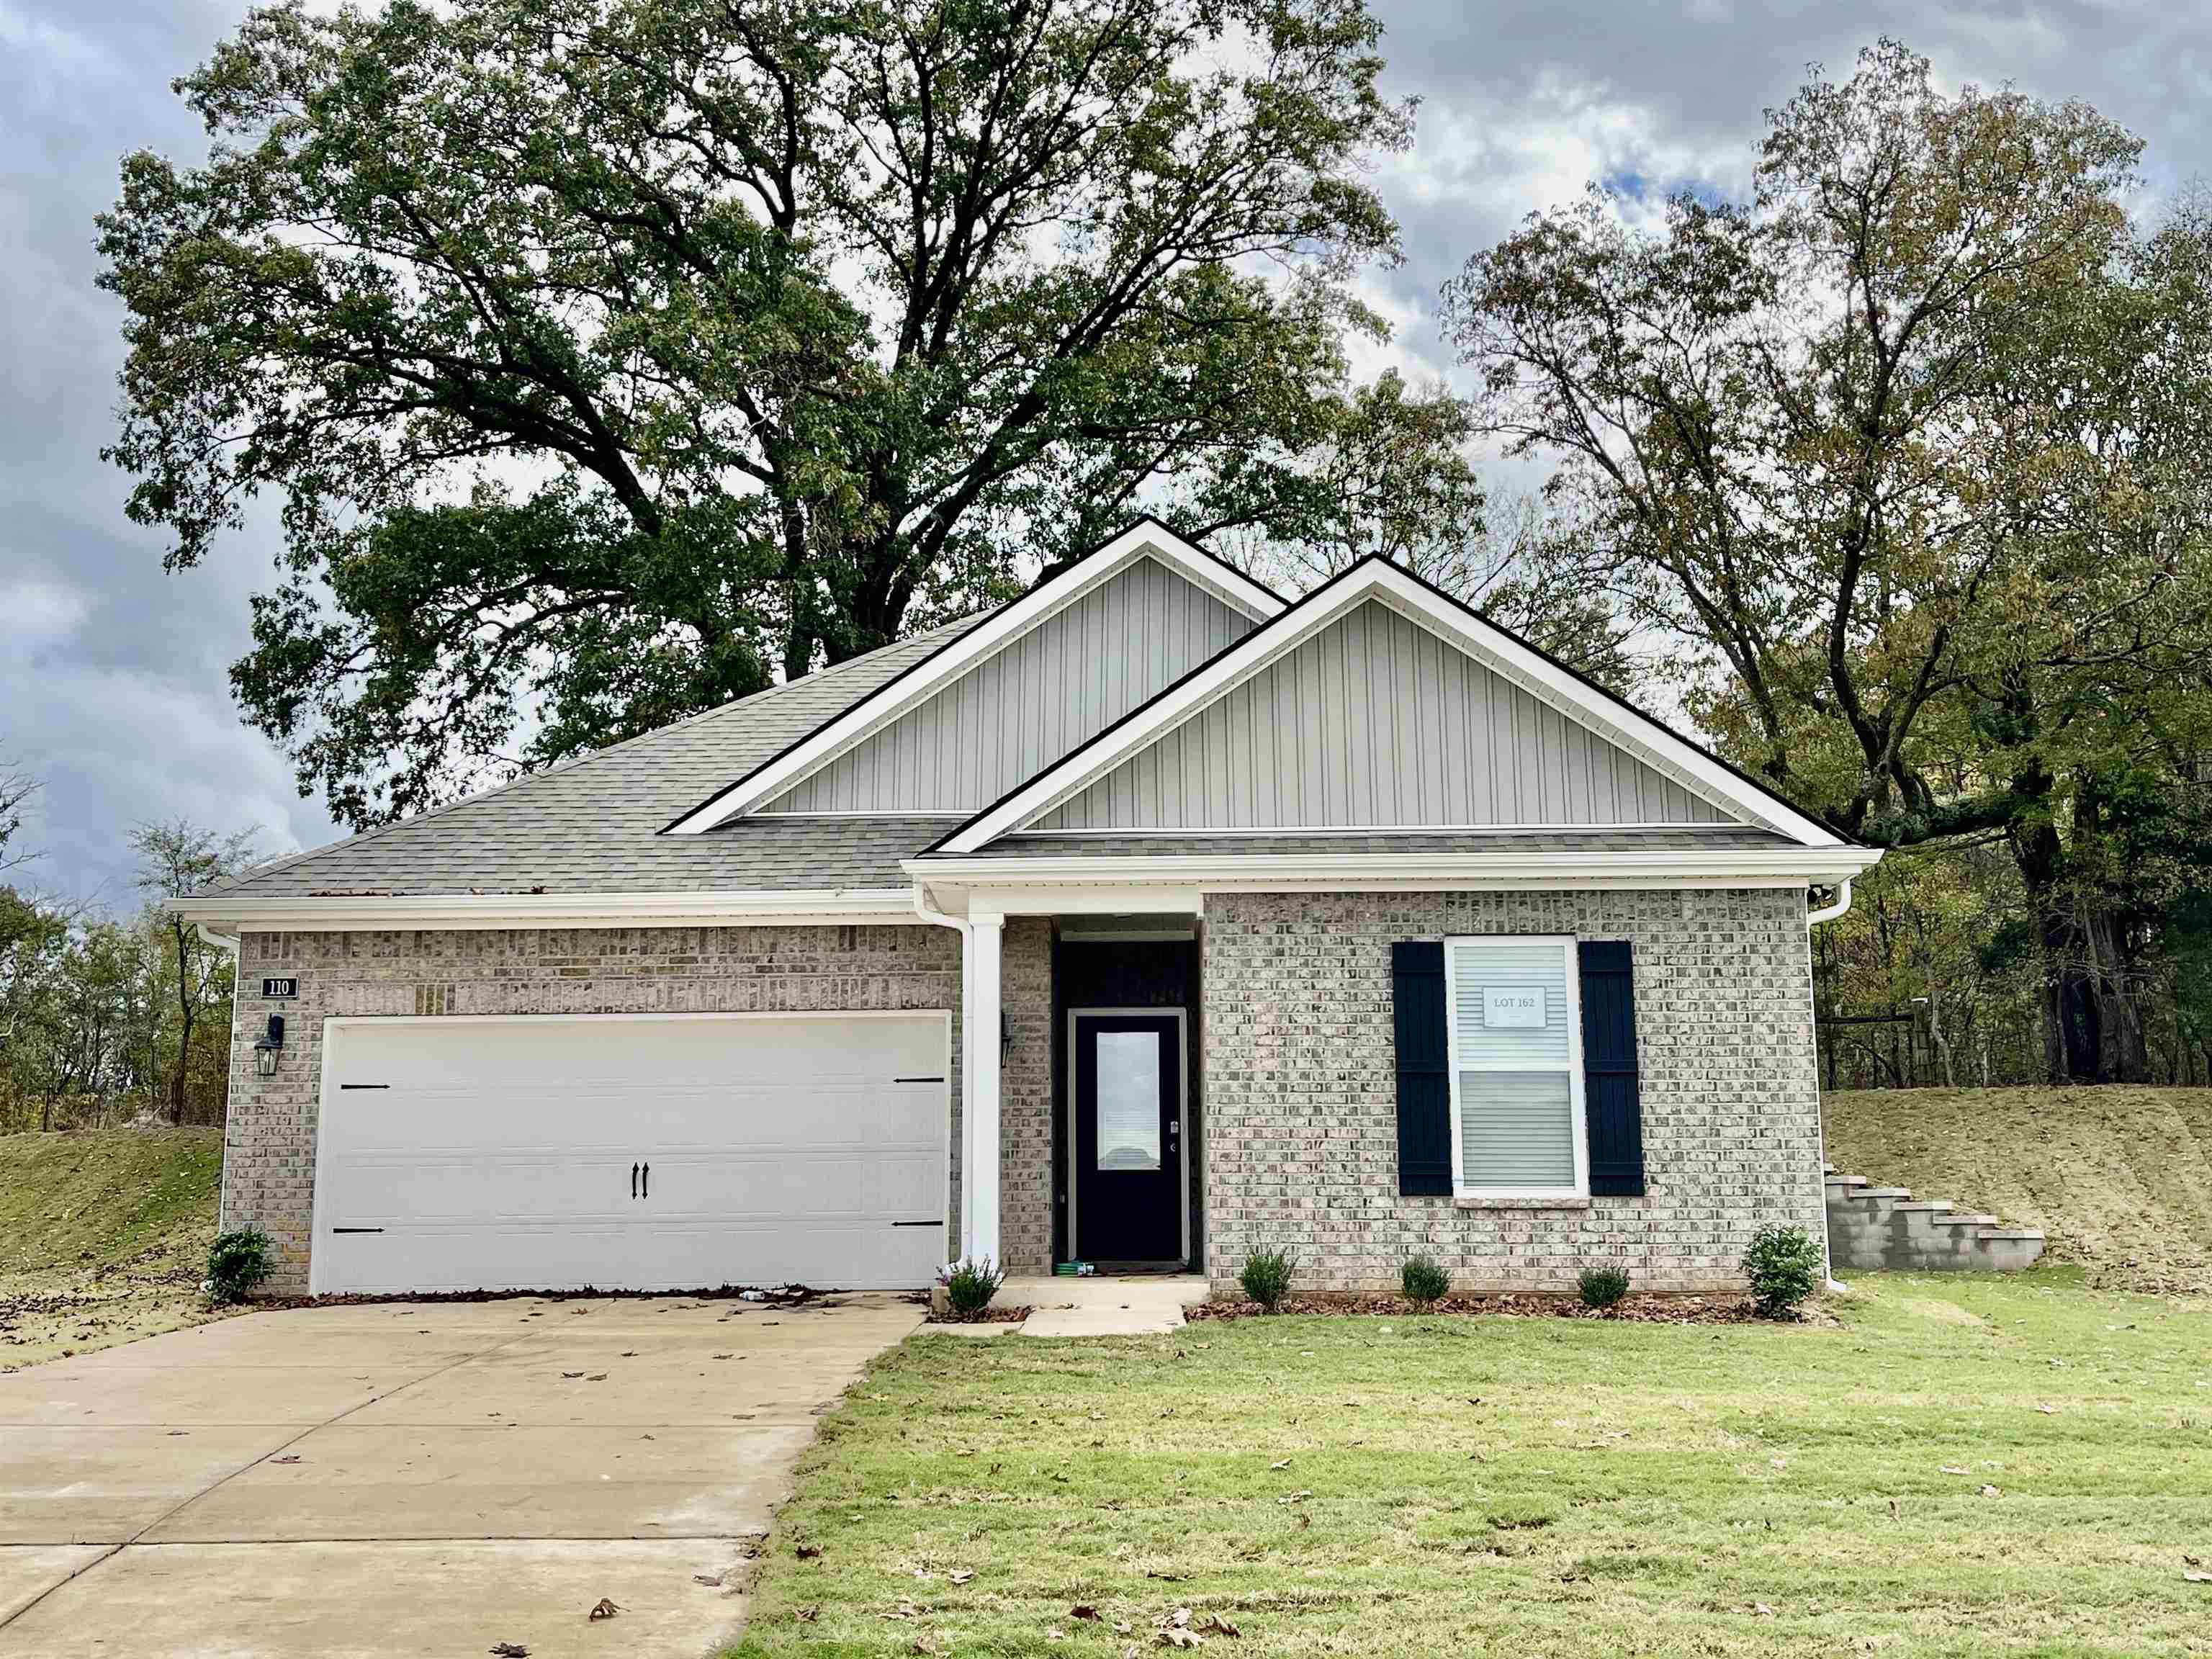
1780 867
1377 578
872 713
298 914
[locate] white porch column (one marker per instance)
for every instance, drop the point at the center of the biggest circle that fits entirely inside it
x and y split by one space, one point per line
981 1022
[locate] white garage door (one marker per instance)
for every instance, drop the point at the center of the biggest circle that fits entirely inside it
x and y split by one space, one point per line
632 1152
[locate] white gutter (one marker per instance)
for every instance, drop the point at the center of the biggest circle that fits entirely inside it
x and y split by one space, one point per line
1519 868
1829 912
306 913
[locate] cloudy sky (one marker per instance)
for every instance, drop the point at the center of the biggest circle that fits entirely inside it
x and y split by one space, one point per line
112 686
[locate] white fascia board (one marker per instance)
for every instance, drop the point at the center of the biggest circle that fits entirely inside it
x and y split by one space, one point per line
1489 870
1377 578
292 913
873 713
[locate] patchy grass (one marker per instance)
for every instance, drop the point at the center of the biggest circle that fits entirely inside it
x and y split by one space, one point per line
2120 1177
103 1236
1959 1466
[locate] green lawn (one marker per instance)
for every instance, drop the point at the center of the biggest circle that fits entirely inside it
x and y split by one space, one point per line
103 1236
1959 1466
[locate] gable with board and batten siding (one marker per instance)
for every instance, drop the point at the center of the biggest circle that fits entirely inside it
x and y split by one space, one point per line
1376 723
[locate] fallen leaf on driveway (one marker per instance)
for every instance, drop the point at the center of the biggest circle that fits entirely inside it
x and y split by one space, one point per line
711 1580
603 1608
571 1375
599 1377
509 1650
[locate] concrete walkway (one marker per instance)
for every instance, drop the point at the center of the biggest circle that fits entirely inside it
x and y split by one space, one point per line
1136 1305
412 1479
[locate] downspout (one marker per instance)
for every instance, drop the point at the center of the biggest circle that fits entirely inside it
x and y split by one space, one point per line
225 942
1814 919
966 930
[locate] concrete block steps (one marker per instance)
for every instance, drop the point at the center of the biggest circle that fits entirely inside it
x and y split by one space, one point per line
1872 1228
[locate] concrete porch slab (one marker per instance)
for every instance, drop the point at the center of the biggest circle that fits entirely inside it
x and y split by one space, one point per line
1105 1305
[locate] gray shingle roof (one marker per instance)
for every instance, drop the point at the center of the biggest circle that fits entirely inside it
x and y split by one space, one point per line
593 824
1717 839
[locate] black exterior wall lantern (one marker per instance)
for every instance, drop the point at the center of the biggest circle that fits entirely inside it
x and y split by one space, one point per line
266 1050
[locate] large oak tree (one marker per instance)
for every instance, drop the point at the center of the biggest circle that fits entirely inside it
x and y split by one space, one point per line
1907 449
611 356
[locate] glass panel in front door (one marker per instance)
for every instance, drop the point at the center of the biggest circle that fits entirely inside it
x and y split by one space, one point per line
1128 1100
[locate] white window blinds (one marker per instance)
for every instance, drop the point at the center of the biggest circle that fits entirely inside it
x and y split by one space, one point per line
1517 1061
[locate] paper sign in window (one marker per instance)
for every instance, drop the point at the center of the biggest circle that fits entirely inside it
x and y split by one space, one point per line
1513 1007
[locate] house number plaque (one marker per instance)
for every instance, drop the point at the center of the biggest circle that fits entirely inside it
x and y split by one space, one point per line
280 987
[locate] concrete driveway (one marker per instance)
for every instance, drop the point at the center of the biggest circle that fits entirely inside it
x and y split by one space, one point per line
424 1479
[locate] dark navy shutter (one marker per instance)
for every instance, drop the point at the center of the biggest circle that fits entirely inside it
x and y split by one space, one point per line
1609 1089
1416 977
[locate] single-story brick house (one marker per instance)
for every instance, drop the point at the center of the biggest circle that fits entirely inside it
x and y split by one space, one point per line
1146 920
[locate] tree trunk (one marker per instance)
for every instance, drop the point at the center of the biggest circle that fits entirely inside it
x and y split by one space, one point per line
2122 1047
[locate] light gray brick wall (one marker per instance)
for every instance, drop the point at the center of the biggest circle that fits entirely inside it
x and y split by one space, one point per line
270 1142
1302 1103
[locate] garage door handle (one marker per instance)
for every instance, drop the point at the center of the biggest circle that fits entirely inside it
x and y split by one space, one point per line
645 1185
633 1180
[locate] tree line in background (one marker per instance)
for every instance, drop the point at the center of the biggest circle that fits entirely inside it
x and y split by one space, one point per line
107 1020
614 359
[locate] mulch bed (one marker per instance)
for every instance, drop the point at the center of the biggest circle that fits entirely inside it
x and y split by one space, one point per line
989 1316
1637 1309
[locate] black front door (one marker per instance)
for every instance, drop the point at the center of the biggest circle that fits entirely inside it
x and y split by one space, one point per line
1128 1138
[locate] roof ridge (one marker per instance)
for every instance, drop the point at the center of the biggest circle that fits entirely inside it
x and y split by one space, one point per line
573 763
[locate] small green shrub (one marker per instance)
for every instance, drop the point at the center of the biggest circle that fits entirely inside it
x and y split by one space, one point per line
1603 1287
238 1262
970 1284
1266 1277
1783 1265
1422 1280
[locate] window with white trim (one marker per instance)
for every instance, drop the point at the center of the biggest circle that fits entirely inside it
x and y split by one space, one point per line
1513 1015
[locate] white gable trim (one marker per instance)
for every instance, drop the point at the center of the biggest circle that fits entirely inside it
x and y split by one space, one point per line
1377 578
1146 539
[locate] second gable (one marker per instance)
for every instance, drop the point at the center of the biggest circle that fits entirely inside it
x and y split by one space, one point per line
1376 723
